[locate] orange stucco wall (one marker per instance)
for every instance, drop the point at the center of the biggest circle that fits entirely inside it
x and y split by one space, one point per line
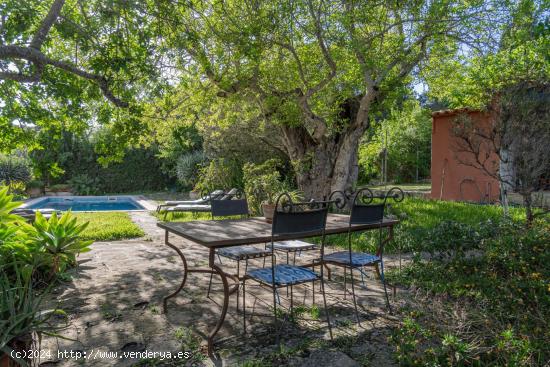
451 179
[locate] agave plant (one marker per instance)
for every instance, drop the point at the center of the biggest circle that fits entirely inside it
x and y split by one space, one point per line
58 239
21 314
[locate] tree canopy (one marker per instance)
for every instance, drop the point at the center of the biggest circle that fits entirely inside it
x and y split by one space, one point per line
307 78
74 62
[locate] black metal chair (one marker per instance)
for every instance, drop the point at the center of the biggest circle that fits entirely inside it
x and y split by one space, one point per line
364 212
291 220
231 207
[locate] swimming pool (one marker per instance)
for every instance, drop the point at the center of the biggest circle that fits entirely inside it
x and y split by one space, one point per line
88 203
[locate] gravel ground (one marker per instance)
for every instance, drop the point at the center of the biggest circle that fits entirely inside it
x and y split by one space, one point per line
114 304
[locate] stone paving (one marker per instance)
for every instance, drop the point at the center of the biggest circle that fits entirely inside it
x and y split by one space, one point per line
114 304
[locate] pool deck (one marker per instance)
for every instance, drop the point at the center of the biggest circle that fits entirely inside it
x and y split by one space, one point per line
140 199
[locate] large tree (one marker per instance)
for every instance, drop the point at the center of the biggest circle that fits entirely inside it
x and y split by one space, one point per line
319 70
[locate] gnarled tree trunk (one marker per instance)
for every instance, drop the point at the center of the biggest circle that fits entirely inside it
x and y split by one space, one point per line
325 166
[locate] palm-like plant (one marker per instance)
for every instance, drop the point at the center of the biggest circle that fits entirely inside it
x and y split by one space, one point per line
6 206
59 239
9 223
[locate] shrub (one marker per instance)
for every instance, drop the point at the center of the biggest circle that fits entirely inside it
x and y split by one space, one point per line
262 183
140 170
14 169
17 189
220 174
35 184
188 167
60 187
84 185
66 156
500 292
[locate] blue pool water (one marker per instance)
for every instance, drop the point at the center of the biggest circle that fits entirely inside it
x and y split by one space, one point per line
83 204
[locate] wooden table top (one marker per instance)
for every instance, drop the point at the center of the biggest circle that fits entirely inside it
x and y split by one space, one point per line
235 232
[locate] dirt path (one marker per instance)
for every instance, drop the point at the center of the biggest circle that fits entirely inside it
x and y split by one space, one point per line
114 299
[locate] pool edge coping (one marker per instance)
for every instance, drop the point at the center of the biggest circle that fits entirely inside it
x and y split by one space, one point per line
147 204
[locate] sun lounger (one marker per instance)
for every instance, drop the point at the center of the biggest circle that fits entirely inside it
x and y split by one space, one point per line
200 208
202 201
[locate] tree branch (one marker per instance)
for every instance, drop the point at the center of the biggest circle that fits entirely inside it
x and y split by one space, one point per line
324 50
294 54
46 25
40 60
34 55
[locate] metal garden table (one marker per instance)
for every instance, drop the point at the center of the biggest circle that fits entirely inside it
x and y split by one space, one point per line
215 234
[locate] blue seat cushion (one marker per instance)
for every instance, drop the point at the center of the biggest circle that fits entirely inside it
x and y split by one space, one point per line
357 258
292 245
243 252
284 275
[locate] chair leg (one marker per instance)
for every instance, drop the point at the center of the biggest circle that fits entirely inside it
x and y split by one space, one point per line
291 300
313 287
244 308
326 308
354 298
345 283
238 274
385 290
278 297
329 272
287 253
275 315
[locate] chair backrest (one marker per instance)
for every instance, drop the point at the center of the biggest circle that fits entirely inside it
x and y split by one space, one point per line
366 213
226 208
298 218
362 211
299 222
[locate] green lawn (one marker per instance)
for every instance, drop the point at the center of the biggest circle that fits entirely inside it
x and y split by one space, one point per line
182 216
420 219
108 226
428 213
